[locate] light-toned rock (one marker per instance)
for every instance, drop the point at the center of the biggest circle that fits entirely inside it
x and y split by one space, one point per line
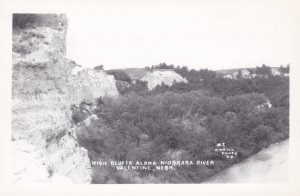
90 84
45 148
244 74
157 77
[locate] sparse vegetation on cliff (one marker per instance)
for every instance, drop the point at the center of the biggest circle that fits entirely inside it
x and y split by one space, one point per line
42 92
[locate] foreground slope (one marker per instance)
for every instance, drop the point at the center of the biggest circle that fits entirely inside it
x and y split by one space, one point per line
268 166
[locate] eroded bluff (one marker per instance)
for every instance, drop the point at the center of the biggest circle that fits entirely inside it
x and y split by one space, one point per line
44 145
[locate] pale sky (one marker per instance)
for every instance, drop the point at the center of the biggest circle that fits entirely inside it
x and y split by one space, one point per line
198 34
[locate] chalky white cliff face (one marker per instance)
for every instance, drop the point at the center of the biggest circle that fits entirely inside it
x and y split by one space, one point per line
44 146
92 84
157 77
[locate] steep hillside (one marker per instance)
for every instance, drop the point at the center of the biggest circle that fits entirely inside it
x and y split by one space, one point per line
246 72
45 147
92 84
231 71
136 73
153 77
158 77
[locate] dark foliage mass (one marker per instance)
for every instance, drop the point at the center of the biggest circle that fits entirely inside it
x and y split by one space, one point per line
21 20
119 75
139 87
99 67
185 122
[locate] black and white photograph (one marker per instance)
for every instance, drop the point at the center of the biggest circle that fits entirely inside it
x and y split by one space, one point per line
152 92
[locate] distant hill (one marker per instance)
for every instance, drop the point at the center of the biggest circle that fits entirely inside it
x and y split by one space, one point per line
228 71
232 73
138 73
153 77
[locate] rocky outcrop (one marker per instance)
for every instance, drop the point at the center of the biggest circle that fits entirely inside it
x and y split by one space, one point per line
244 73
92 84
249 73
44 146
157 77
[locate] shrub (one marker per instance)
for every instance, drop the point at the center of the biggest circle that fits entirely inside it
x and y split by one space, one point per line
99 67
119 75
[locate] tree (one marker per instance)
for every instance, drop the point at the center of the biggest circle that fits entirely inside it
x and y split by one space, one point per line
260 135
163 66
138 86
99 67
285 70
245 102
120 75
264 70
251 71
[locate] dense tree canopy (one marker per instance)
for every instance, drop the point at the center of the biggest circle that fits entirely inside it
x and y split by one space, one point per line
184 120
